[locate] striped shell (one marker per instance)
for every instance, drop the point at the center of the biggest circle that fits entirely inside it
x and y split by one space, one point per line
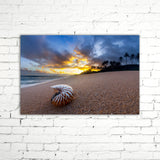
63 94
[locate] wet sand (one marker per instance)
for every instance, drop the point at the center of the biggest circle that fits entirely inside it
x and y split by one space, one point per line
98 93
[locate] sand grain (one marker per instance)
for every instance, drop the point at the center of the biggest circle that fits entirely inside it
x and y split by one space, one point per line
99 93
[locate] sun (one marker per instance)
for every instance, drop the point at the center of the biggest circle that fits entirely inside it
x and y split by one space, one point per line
76 64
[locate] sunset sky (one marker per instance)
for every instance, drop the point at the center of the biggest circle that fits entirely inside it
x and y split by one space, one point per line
64 54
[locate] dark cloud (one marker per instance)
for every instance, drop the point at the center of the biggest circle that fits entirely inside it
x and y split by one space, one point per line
112 47
37 49
95 48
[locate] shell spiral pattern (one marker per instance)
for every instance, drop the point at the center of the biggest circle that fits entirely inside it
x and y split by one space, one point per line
63 94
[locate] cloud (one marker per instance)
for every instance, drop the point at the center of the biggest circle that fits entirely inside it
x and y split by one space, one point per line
26 71
37 49
116 46
80 52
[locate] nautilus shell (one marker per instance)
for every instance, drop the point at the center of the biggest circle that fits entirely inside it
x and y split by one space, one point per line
63 94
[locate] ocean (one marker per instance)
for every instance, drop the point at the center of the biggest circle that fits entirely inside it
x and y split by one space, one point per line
31 80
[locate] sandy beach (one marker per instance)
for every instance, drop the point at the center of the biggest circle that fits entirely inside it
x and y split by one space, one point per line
97 93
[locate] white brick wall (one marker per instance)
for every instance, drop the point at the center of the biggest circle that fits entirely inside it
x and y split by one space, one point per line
73 137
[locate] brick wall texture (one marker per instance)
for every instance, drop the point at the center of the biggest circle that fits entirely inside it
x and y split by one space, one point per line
80 137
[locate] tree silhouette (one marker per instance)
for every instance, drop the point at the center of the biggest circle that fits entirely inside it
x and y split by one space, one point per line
121 59
93 67
111 63
137 57
105 64
118 64
98 67
126 56
131 58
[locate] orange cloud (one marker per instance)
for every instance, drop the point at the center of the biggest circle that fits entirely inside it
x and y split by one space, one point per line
76 64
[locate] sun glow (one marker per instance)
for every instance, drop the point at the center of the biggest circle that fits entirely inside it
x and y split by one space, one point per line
67 71
76 64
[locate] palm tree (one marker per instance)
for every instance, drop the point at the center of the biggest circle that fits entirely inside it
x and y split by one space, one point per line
137 57
114 63
121 59
132 57
105 64
98 67
118 64
126 56
111 63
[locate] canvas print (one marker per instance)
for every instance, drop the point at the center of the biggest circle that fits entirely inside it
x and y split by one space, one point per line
79 74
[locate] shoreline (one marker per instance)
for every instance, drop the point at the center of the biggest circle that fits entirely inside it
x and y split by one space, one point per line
47 81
